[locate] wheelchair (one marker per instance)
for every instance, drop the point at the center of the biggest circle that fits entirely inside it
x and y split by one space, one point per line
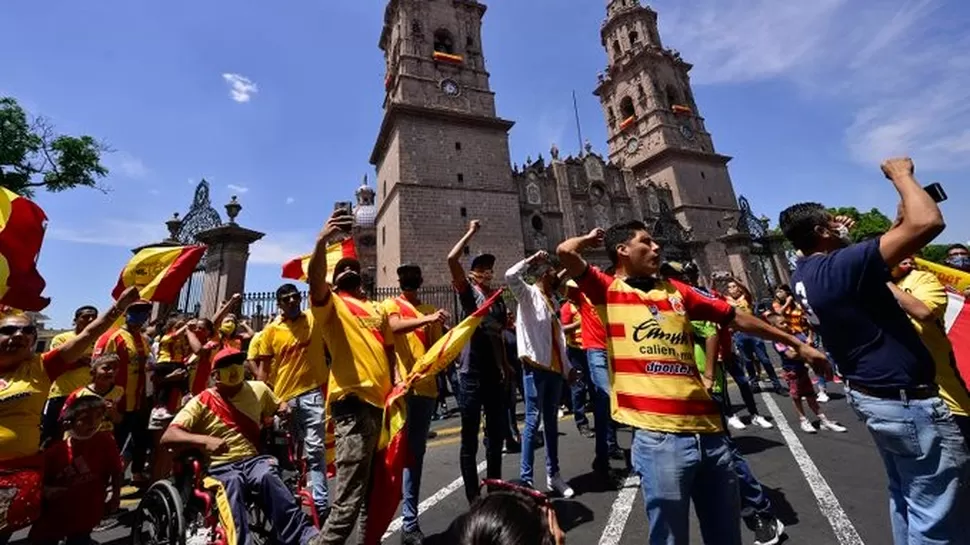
183 510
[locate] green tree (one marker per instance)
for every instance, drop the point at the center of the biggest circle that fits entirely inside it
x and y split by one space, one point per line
867 224
934 252
33 155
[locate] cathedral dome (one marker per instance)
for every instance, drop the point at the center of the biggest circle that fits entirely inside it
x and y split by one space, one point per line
365 213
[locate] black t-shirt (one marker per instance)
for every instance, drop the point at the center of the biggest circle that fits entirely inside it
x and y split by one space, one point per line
487 346
869 335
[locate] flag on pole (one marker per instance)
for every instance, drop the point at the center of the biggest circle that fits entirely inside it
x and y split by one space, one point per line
392 449
295 269
957 321
22 225
160 272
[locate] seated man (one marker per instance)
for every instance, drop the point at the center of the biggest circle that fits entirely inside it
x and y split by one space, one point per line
225 422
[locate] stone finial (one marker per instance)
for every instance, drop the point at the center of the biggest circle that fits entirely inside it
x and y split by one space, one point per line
554 152
588 147
528 161
232 209
174 225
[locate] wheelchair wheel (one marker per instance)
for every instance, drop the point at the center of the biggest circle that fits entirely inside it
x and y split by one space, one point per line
259 526
158 517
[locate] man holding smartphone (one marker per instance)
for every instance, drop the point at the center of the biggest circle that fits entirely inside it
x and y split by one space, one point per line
890 374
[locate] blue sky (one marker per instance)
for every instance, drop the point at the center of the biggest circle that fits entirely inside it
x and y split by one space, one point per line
807 97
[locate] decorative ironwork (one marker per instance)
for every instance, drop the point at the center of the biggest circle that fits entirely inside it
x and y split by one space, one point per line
200 217
749 223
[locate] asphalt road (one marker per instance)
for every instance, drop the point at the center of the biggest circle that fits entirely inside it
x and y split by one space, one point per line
828 488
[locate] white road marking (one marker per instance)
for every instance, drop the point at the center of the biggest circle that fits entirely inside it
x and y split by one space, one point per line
620 511
828 504
430 502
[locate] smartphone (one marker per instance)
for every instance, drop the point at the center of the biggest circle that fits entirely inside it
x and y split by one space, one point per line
936 192
343 206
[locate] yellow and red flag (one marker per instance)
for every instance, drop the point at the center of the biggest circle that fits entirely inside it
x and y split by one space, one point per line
952 278
22 225
295 269
159 273
392 449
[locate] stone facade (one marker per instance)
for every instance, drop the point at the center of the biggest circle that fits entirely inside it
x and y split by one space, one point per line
442 157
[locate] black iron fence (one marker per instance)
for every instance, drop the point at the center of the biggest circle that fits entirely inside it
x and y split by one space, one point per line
261 307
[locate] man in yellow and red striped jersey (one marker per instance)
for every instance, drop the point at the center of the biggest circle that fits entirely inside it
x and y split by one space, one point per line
680 448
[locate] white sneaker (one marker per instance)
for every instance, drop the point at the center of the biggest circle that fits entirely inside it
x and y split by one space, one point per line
762 421
736 423
562 413
557 484
807 426
827 424
822 397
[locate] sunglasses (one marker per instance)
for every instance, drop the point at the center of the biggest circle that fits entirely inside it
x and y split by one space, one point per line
11 330
291 298
495 484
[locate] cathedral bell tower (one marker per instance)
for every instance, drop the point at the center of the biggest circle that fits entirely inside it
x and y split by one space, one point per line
442 154
656 132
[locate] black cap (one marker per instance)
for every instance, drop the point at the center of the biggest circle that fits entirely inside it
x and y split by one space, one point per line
409 269
344 264
483 261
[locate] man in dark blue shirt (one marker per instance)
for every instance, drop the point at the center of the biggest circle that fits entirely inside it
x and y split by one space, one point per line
889 372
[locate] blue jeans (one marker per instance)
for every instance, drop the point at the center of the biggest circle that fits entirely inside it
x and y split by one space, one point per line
599 374
580 389
927 464
420 411
752 348
307 424
259 478
677 468
542 392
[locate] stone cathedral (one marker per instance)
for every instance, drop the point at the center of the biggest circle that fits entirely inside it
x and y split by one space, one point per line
442 157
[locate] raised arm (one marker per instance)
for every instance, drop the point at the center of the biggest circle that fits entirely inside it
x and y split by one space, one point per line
403 326
570 252
749 323
920 219
912 304
339 222
515 276
454 256
77 347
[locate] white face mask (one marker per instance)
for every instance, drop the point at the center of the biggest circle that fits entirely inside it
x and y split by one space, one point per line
842 232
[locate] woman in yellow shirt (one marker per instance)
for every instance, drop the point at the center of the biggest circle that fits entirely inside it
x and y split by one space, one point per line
25 381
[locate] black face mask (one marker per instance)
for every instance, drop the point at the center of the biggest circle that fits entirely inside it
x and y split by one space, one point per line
642 284
350 281
410 284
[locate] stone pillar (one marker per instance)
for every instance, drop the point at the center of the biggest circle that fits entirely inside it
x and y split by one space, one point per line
161 310
225 260
776 243
737 246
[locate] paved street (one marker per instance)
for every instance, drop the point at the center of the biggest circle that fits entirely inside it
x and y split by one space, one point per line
816 483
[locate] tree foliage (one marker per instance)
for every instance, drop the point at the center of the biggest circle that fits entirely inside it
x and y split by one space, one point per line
934 252
33 155
867 224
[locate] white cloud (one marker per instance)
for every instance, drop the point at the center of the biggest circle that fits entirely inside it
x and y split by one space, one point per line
279 247
127 165
110 232
241 88
902 68
237 188
290 200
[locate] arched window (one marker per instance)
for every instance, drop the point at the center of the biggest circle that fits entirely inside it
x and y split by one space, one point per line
626 108
634 39
443 41
617 50
537 223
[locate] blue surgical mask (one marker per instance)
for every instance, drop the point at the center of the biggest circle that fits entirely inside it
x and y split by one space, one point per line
961 262
292 313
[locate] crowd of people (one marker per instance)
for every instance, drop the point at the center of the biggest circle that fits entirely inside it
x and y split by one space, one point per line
646 344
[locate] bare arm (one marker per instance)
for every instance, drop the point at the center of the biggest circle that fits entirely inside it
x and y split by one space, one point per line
759 328
176 436
454 256
570 251
403 326
710 355
515 279
225 308
194 343
920 218
317 268
77 347
571 327
913 306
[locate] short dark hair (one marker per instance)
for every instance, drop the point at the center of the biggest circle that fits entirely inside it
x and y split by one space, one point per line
111 358
80 404
285 290
958 246
621 233
506 518
798 223
347 263
82 310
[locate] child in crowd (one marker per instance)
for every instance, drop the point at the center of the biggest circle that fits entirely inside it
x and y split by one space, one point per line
508 515
170 376
77 473
103 369
799 383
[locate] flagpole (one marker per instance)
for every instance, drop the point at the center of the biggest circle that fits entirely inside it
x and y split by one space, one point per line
579 127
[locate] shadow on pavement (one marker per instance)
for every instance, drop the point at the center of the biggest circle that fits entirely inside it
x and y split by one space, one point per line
780 507
571 514
593 482
752 444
